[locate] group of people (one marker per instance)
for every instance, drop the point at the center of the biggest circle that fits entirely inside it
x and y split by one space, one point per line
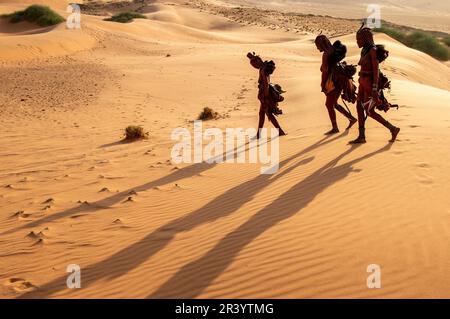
337 81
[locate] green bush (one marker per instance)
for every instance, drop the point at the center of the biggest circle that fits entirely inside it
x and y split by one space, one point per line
41 15
447 41
393 33
419 40
125 17
134 132
428 44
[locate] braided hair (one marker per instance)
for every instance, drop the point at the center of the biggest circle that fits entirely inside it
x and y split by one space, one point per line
323 42
365 36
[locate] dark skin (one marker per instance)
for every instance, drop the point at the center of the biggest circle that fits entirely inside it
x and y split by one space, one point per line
333 96
263 96
369 63
368 88
324 67
264 82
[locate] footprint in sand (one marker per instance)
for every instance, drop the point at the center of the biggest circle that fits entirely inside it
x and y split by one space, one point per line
130 199
25 180
21 215
118 224
48 204
40 242
169 163
49 201
423 165
20 284
38 235
118 221
426 180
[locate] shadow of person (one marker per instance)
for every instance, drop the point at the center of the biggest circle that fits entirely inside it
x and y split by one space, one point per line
106 203
132 256
192 279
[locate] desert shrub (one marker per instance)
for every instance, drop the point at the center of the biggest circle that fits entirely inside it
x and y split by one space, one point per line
447 41
41 15
429 44
419 40
134 132
393 33
207 114
125 17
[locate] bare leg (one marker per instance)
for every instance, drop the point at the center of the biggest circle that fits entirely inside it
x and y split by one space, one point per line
348 115
262 118
361 120
275 123
330 103
394 130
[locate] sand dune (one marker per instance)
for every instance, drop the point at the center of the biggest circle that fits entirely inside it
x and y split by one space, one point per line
57 4
25 41
139 226
413 13
21 28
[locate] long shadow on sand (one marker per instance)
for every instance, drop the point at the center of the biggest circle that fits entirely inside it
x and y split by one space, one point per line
106 203
132 256
191 280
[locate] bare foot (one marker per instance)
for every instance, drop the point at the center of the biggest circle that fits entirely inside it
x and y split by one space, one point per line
394 133
359 140
333 131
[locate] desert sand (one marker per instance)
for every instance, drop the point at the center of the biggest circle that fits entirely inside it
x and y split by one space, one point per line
140 226
413 13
